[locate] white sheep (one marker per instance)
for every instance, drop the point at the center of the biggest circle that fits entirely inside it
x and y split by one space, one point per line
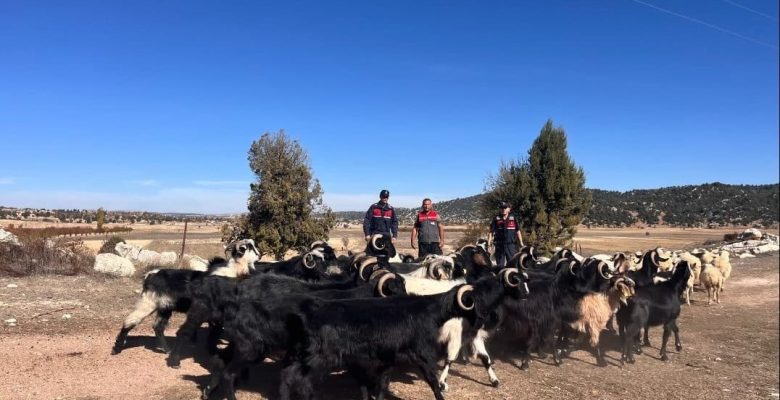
723 263
712 280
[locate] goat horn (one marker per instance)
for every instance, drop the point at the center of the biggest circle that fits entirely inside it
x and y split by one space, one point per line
571 267
461 292
374 240
308 257
601 267
509 279
368 261
558 263
384 278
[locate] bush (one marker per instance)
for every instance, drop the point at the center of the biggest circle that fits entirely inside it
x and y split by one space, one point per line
731 237
39 256
109 246
472 233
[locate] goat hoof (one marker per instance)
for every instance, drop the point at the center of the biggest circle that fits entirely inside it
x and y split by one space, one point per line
495 384
601 363
664 357
678 347
524 366
638 350
206 392
173 363
115 351
443 386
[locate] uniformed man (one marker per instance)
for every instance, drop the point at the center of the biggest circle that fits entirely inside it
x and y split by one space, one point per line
505 234
380 218
427 232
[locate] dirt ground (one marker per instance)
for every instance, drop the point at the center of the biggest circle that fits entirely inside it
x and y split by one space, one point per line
60 349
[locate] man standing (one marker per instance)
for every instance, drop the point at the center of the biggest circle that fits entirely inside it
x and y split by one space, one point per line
505 235
430 230
380 218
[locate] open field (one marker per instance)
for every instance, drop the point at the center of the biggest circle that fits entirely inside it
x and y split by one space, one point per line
730 351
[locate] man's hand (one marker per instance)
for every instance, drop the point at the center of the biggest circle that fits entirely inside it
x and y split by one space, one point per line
414 246
393 240
368 237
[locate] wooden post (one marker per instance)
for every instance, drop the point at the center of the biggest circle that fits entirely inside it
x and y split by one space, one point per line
183 242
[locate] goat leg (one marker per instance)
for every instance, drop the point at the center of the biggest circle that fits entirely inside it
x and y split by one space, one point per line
667 332
159 329
676 331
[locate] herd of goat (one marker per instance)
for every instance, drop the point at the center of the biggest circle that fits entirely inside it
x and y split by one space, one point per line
364 314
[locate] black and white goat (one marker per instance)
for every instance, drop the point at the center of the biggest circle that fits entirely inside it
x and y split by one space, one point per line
168 290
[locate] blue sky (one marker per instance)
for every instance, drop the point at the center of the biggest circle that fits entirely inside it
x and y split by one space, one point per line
153 105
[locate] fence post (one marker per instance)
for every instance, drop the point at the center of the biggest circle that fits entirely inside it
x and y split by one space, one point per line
183 242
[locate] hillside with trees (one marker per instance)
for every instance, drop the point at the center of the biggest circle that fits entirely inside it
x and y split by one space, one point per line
710 204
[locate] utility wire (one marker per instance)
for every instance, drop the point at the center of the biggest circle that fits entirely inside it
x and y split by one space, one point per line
707 24
735 4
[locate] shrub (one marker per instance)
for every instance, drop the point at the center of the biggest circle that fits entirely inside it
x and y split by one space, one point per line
109 246
40 256
472 233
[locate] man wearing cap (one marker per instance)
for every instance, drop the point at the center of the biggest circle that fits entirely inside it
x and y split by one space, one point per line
380 218
505 234
431 233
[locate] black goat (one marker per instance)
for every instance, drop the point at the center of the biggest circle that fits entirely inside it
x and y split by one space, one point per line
650 263
377 333
653 305
168 290
317 264
213 294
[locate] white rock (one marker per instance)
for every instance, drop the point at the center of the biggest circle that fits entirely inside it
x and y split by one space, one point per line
113 264
66 316
12 285
746 255
8 237
10 322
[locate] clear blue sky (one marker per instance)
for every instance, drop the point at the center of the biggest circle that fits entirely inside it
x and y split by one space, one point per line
153 104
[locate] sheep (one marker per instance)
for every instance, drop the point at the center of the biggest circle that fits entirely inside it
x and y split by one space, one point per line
653 305
706 256
167 290
376 333
695 264
723 263
712 280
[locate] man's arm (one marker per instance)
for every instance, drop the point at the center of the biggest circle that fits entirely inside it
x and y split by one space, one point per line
414 236
367 222
441 234
520 238
394 226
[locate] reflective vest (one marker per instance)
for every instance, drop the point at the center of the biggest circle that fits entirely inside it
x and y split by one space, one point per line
505 230
427 225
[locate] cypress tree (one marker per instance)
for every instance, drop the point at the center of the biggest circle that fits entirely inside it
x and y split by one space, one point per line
285 204
546 190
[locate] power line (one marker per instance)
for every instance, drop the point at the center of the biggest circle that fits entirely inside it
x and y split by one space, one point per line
707 24
735 4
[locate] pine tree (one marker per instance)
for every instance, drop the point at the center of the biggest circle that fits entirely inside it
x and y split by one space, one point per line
285 205
546 190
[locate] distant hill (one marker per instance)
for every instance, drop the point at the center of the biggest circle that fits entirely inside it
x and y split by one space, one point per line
710 204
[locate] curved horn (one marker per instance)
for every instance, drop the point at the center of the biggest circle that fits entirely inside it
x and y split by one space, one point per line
509 276
521 260
308 261
318 243
386 277
571 266
603 266
368 261
630 282
558 263
461 292
374 240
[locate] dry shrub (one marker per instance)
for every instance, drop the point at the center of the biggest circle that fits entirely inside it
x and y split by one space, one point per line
472 233
109 246
204 250
39 256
